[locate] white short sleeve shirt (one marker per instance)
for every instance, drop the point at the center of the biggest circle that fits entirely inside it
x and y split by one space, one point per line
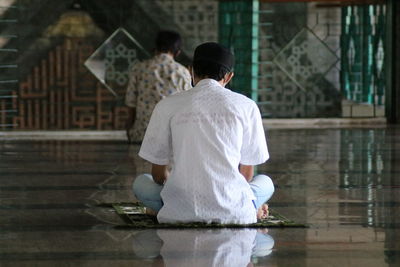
224 247
206 132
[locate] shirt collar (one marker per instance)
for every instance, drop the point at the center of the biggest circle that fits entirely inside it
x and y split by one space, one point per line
207 83
164 56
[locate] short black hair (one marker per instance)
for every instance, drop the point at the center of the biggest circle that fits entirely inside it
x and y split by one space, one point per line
168 41
212 70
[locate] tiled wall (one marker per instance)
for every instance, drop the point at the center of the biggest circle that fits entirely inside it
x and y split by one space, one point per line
198 20
49 43
312 88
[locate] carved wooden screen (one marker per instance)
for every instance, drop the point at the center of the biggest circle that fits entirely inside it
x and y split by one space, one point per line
60 93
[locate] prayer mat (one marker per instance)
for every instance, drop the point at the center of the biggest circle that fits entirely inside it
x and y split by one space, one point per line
134 214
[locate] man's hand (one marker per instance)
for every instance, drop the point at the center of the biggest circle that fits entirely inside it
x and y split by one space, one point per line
160 173
263 212
247 171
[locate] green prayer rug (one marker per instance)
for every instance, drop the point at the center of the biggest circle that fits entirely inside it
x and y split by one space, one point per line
134 215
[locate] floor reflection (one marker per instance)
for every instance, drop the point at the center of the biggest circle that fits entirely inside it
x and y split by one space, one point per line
368 175
219 248
343 183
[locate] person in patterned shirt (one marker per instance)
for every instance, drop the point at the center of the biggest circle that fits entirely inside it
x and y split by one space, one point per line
152 80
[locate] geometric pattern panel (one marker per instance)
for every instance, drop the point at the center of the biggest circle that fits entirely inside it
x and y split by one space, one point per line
305 59
294 81
363 53
60 93
113 60
286 100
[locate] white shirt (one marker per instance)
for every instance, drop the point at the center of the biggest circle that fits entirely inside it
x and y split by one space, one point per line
211 248
206 132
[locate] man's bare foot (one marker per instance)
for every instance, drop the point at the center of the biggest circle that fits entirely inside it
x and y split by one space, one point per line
263 212
151 212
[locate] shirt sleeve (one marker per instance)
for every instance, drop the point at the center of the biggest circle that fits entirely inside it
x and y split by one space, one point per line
157 143
187 80
131 91
254 149
184 81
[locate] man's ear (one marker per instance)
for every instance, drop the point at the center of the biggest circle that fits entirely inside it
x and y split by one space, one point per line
228 77
177 53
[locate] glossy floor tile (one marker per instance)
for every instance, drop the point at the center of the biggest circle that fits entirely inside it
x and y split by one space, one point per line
343 183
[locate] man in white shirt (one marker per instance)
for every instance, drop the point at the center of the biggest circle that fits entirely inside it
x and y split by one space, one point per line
212 138
223 247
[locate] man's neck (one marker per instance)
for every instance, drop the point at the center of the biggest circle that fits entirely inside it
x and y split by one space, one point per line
196 80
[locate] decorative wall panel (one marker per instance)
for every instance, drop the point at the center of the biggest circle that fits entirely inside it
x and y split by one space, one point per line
363 53
60 93
299 75
305 59
112 61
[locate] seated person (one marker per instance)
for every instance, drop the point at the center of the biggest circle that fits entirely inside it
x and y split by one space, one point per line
152 80
212 137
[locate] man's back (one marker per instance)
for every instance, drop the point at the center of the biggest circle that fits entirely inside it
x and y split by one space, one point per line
151 81
208 132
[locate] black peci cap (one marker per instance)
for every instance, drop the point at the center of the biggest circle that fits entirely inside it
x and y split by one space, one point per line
215 53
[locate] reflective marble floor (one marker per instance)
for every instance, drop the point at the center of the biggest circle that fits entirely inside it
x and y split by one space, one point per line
344 183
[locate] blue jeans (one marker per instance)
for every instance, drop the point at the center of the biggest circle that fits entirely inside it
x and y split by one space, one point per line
148 192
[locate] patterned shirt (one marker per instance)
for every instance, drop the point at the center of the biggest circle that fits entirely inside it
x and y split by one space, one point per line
151 81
